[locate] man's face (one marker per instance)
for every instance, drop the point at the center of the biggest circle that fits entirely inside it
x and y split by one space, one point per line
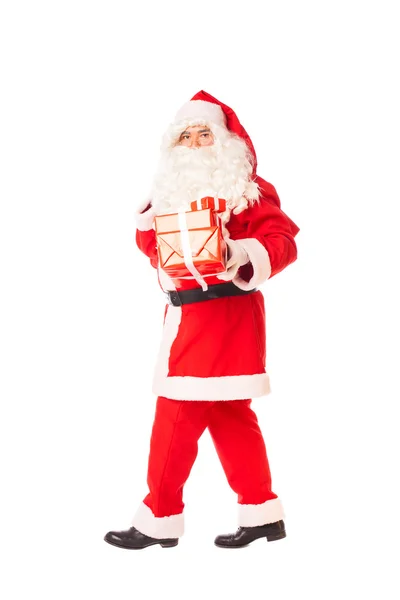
196 136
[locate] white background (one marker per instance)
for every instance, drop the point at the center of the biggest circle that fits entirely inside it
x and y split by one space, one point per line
88 88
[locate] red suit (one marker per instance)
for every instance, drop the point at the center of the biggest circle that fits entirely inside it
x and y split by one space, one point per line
211 362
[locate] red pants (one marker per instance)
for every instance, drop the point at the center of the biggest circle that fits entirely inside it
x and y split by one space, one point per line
238 440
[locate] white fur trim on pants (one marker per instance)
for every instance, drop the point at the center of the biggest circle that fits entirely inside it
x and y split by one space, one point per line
235 387
158 527
261 264
253 515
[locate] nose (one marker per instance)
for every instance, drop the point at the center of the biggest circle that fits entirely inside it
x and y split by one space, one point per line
194 143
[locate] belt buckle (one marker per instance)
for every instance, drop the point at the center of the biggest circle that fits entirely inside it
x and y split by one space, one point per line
173 298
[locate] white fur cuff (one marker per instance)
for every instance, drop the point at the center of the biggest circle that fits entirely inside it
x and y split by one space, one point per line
158 527
253 515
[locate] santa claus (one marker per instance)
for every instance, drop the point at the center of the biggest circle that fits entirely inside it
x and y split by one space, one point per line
212 357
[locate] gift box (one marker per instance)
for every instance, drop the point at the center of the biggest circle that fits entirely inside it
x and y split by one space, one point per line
190 244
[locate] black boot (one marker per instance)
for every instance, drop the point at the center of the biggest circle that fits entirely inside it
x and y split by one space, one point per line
246 535
133 539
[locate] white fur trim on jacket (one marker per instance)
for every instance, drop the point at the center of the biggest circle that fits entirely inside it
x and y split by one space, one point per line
235 387
261 264
158 527
201 109
253 515
144 220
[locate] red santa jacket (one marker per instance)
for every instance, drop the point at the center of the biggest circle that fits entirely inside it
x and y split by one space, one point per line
216 350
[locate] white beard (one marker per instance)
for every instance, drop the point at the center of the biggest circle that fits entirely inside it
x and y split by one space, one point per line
187 174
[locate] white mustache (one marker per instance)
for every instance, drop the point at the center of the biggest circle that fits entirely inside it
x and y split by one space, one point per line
195 155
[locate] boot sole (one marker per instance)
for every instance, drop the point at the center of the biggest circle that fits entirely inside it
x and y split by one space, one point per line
276 536
162 544
270 538
169 544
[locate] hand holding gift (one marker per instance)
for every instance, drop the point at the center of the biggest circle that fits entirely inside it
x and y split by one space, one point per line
145 215
237 257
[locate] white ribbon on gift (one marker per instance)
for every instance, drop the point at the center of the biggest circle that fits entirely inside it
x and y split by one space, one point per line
187 251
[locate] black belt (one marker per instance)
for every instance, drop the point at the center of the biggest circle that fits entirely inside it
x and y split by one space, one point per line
220 290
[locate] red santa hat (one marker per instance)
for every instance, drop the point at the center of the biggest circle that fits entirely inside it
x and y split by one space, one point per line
205 107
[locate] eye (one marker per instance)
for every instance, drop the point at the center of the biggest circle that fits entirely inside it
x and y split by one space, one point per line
205 134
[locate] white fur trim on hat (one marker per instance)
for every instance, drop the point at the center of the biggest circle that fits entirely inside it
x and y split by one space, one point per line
200 109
